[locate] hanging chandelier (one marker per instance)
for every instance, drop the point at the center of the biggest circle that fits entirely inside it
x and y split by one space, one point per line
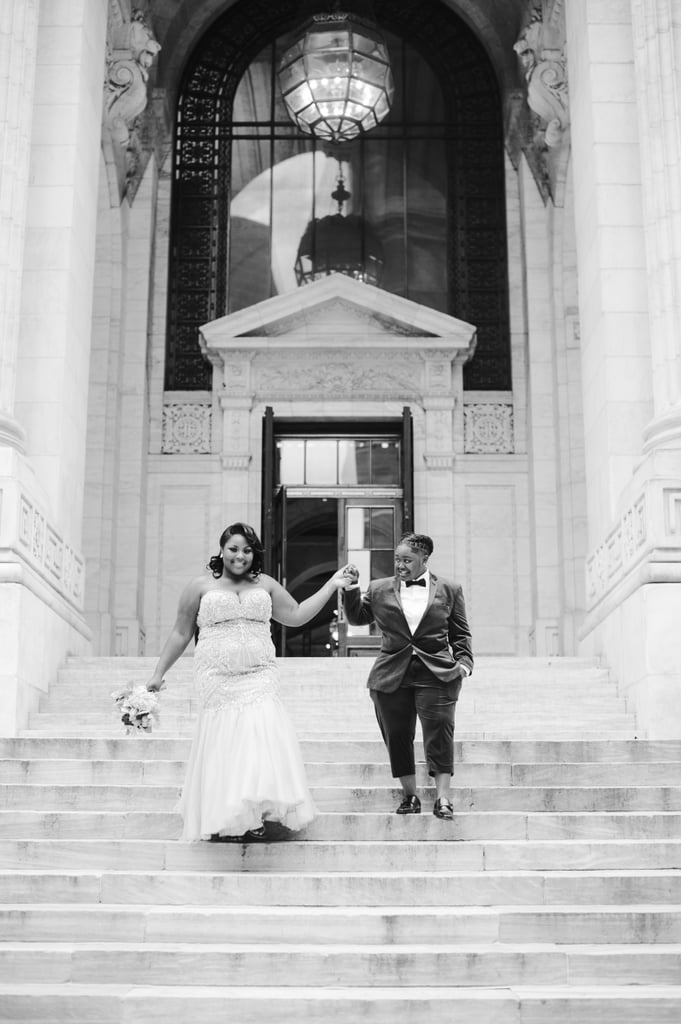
339 244
336 79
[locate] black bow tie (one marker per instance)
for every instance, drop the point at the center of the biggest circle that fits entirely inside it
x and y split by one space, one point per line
415 583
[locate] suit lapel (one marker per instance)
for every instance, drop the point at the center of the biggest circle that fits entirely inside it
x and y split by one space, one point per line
397 591
431 595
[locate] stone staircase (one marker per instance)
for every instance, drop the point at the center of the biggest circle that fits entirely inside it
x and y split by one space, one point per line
555 895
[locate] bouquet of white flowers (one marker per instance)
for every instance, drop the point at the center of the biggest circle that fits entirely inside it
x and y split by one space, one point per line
138 708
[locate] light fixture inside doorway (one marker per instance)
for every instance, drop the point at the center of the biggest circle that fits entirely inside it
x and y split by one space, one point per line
336 79
339 244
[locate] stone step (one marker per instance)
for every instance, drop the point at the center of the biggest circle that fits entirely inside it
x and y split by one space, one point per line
535 755
110 796
353 964
414 890
661 778
351 855
508 665
646 928
501 727
146 1004
363 827
346 705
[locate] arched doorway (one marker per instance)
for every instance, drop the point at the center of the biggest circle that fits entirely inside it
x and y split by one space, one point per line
429 180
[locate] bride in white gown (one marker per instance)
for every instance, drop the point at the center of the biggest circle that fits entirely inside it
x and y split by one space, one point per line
245 765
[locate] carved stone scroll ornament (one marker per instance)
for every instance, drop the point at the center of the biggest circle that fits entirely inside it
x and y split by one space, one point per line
128 75
132 128
541 52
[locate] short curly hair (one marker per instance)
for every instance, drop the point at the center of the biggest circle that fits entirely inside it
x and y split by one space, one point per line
216 565
417 542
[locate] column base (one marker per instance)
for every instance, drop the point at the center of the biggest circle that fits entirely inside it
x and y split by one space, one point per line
634 587
642 642
41 582
12 434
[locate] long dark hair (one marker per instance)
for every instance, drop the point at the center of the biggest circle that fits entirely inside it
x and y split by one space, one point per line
216 565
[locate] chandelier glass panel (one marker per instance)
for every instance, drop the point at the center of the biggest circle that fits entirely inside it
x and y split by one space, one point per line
336 79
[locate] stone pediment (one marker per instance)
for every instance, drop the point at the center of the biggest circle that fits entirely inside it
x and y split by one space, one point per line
336 310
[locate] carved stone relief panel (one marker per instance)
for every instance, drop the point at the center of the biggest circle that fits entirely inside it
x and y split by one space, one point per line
186 428
488 428
313 374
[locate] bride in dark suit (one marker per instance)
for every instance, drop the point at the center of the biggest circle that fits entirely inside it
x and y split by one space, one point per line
425 655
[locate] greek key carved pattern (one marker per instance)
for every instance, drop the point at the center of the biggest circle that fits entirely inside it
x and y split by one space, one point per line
488 429
672 510
618 550
59 564
186 428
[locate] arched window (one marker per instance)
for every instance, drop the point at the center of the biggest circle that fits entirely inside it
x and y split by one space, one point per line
425 190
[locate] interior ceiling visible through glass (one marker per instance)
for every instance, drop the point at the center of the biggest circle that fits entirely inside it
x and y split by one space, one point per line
281 180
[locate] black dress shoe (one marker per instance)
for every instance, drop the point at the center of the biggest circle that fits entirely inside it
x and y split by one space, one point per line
410 805
442 808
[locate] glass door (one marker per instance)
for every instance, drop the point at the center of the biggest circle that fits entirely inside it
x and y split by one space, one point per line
368 529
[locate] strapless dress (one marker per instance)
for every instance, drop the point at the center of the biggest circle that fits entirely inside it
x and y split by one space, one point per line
245 764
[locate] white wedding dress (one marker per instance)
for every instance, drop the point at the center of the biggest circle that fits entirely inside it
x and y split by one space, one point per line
245 764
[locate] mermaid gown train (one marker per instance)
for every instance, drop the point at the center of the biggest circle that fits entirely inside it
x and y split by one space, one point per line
245 765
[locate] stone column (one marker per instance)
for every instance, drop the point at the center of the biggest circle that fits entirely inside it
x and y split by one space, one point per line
610 245
624 84
657 38
18 38
52 379
240 436
50 289
442 383
542 442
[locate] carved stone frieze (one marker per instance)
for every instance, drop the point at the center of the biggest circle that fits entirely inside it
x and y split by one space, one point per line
488 428
316 375
186 428
541 130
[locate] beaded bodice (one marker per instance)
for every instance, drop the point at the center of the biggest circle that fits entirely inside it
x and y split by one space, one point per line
235 659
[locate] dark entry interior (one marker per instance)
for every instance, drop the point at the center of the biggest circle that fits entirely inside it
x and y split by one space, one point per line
332 492
311 557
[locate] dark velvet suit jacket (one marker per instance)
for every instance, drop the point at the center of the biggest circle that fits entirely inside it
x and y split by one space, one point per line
442 639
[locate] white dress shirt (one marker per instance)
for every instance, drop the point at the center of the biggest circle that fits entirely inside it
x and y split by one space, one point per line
414 601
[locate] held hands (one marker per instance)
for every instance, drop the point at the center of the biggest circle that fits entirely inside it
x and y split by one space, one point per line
344 577
350 575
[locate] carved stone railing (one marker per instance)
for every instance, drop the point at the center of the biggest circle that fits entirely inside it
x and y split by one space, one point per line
28 539
643 547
